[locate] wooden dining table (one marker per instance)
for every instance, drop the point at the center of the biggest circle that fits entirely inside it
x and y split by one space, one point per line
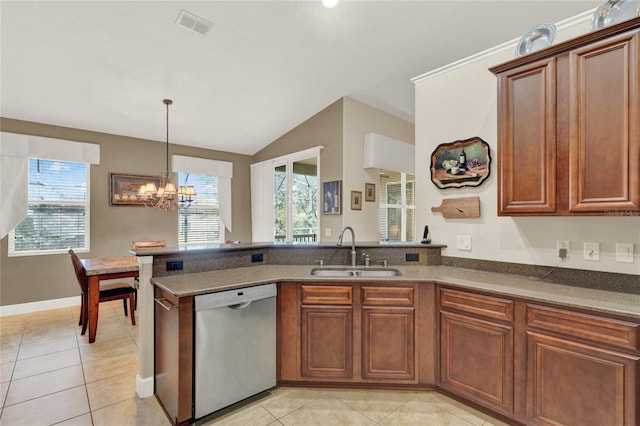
100 269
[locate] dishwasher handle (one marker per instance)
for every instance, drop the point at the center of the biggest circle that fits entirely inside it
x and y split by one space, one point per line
240 306
161 301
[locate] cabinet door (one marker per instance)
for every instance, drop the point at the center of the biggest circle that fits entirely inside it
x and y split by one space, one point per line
476 360
288 332
604 135
388 343
326 342
173 355
527 139
574 384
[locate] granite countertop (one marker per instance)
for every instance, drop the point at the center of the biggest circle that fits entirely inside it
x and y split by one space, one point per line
154 251
601 301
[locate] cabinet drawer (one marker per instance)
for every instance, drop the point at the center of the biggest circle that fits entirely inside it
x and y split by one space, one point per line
326 295
593 328
394 296
486 306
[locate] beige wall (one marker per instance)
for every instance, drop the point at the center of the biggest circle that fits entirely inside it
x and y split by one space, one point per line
34 278
360 119
444 115
340 128
323 129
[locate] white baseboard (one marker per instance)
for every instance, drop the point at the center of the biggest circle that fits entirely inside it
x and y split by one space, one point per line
43 305
144 387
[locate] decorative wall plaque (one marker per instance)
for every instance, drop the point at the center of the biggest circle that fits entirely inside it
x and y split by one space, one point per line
460 163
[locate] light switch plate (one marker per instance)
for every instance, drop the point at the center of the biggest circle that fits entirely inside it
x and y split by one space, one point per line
464 242
592 251
327 232
624 252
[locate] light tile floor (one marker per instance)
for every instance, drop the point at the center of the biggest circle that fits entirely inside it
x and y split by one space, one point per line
49 374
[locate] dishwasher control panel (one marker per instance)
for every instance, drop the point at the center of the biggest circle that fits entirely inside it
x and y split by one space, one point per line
234 297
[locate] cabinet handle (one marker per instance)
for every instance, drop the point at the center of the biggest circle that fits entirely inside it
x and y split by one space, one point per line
161 301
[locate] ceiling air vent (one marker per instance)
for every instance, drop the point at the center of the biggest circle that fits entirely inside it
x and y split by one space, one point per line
193 23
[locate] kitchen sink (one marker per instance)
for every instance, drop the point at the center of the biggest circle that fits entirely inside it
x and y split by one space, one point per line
349 271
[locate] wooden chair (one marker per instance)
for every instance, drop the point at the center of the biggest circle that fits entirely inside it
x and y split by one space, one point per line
108 292
147 244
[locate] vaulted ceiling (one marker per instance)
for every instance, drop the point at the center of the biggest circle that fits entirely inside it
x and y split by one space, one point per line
263 68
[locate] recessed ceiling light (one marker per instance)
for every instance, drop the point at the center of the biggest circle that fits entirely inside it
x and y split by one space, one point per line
330 3
194 23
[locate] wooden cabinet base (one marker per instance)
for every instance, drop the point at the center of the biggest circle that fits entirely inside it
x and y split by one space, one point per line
174 355
476 360
374 333
326 343
388 348
572 383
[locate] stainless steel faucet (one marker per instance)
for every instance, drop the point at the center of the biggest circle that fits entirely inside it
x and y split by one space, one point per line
353 243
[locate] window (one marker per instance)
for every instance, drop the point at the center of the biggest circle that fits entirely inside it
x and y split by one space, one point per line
397 206
200 223
58 212
295 200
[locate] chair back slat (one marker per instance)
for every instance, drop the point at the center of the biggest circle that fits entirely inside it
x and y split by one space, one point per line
147 244
79 270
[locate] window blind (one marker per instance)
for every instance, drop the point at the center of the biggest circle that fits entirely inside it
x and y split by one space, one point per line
58 209
396 221
201 223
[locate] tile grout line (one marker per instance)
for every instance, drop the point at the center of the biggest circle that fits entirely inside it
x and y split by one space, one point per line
13 369
84 376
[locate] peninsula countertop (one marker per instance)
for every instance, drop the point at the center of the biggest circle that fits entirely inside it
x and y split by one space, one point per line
530 288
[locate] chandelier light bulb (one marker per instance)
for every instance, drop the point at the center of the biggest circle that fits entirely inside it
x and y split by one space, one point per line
165 196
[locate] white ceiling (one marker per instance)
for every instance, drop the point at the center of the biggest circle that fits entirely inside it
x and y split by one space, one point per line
265 66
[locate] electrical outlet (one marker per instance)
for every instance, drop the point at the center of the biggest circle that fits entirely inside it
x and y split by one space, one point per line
174 265
464 242
562 245
624 252
412 257
592 251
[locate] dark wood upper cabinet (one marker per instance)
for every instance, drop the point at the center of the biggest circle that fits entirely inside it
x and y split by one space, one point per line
569 127
527 132
604 137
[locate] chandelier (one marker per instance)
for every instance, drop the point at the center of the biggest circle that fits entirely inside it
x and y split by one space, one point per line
166 197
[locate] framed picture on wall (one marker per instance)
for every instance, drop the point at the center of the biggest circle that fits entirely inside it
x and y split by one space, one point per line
332 197
369 191
460 163
124 189
356 200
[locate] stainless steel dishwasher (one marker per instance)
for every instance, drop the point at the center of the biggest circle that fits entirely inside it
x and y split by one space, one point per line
235 346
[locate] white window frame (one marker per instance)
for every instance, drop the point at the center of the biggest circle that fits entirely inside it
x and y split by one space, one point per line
402 206
262 193
11 252
194 205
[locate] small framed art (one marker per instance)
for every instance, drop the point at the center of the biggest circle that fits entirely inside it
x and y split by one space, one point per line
356 200
332 197
369 191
